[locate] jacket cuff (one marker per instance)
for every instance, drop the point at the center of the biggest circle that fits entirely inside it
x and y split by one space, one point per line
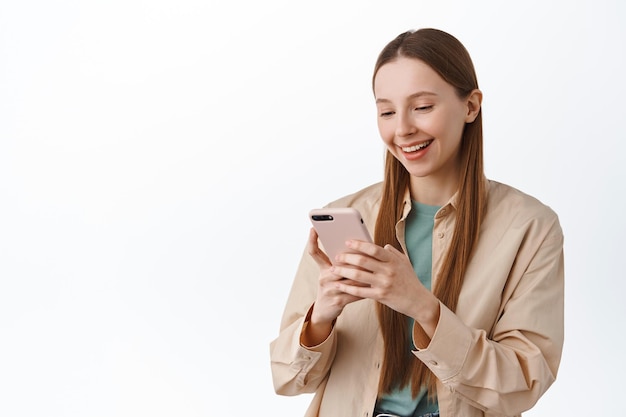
447 351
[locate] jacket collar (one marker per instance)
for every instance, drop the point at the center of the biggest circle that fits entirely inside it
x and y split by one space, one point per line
452 202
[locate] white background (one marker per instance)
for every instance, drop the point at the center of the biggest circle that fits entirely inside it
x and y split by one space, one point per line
158 160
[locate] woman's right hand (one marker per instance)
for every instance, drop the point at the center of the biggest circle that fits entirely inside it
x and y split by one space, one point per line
330 301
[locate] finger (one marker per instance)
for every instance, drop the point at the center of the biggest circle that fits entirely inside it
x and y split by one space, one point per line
312 236
362 277
357 261
314 250
393 250
367 248
328 275
356 291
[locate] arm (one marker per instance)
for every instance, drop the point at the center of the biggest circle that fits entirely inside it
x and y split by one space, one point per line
304 351
297 369
508 370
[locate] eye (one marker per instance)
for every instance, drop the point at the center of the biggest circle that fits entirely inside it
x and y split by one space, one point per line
424 108
387 114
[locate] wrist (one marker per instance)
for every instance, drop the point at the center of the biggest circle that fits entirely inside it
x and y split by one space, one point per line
315 330
428 316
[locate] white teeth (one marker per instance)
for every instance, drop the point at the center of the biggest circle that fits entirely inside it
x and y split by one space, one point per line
416 147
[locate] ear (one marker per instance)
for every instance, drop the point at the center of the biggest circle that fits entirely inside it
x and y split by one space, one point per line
473 101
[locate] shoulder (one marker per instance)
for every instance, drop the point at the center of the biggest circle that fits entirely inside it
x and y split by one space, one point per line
505 197
510 207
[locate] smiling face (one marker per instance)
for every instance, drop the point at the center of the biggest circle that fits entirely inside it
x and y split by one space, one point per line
421 120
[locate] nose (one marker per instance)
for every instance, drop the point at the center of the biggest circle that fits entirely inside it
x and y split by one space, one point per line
405 126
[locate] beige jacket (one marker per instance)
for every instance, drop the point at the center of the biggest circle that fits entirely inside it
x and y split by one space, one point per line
495 356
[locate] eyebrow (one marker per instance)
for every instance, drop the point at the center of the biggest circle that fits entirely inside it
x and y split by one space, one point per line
411 97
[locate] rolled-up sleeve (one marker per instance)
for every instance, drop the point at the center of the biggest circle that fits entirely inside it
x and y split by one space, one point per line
297 369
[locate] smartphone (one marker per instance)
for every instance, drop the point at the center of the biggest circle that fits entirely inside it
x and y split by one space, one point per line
335 226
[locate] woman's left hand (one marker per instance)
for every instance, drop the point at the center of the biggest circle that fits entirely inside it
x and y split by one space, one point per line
389 278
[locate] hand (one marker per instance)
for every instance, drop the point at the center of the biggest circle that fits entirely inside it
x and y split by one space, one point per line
387 276
330 301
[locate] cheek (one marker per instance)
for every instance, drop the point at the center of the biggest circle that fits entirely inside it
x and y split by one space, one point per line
445 127
457 120
386 132
455 130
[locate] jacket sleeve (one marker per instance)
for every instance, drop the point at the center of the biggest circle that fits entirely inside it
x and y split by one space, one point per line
507 370
295 368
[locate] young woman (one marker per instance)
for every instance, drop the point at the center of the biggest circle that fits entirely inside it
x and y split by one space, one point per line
371 337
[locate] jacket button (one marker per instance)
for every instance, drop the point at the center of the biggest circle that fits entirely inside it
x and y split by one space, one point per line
440 235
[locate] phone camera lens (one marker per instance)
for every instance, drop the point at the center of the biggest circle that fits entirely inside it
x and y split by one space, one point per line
322 217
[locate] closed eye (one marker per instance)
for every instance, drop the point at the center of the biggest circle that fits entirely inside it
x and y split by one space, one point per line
387 113
423 108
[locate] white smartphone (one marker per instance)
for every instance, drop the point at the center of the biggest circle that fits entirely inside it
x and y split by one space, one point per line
335 226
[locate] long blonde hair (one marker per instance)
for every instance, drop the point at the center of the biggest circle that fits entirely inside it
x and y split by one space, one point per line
449 58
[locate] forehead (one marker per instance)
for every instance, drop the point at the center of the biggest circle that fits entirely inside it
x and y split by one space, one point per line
407 76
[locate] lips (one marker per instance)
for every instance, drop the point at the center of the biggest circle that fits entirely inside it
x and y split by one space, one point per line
417 147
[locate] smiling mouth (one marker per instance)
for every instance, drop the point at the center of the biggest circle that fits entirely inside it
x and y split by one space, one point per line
417 147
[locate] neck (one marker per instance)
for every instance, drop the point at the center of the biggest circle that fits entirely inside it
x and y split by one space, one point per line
431 190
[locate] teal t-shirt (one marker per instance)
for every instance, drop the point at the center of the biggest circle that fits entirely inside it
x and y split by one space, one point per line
419 244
